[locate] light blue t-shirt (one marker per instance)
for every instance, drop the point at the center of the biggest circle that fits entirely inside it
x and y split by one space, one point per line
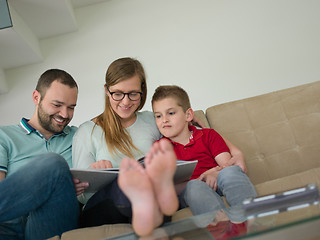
20 143
89 143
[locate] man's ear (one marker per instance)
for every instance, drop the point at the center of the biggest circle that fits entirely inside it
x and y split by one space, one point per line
189 114
36 96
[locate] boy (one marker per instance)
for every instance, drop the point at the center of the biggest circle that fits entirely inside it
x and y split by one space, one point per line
212 177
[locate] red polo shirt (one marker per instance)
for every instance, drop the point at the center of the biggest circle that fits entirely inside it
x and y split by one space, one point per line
204 146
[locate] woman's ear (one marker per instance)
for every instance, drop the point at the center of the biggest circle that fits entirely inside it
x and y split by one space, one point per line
106 89
189 114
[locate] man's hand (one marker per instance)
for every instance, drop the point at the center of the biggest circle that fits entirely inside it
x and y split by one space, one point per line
80 186
2 175
102 164
210 177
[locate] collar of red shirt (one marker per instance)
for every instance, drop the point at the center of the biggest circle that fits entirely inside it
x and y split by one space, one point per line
196 134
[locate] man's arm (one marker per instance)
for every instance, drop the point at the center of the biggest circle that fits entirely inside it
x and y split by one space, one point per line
2 175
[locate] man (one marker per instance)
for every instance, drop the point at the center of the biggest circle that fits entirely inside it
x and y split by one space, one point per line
38 197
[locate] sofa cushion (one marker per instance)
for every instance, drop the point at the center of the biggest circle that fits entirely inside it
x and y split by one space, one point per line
54 238
278 132
95 233
111 230
289 182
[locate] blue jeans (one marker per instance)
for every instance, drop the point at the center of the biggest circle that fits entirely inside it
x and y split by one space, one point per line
39 200
107 206
232 183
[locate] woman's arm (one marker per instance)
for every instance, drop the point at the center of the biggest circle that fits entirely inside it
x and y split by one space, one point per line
82 157
237 157
224 159
197 122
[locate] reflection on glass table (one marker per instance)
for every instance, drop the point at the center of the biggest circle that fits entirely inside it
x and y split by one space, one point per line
293 214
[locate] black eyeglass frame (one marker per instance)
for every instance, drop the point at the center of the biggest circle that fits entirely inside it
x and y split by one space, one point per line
124 94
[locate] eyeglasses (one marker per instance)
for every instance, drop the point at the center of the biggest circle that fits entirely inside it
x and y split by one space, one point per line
118 96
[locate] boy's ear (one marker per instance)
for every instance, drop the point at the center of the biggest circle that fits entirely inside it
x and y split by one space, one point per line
189 114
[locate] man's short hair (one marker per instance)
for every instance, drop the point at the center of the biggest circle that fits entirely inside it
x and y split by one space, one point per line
52 75
173 91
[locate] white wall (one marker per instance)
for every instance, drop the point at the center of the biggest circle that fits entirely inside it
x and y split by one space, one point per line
217 50
3 83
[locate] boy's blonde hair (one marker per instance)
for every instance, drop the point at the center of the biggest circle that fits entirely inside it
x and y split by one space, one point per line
173 91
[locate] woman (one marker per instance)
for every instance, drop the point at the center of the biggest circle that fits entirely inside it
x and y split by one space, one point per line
120 131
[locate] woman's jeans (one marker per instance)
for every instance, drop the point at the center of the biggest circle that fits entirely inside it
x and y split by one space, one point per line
39 200
232 183
108 206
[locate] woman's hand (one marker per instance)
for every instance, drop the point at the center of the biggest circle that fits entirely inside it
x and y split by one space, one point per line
210 177
101 164
238 159
196 121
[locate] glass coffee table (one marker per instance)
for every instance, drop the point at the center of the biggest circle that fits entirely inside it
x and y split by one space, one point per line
300 221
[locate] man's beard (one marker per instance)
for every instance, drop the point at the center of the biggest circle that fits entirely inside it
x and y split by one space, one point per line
46 123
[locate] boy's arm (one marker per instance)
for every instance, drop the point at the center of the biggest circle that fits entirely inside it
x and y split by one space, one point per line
237 157
223 159
210 176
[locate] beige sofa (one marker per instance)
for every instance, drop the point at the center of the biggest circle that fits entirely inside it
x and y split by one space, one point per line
279 134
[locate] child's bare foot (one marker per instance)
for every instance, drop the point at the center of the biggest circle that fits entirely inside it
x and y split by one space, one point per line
136 185
161 164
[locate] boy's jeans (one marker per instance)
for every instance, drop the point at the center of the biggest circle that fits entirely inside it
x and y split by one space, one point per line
233 183
38 201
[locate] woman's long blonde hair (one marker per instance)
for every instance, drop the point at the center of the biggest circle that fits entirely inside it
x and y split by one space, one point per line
117 138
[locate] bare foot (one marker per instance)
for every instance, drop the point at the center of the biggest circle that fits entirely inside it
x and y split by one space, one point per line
161 164
136 185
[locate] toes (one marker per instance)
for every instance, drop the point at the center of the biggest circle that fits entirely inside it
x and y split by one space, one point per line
125 164
165 145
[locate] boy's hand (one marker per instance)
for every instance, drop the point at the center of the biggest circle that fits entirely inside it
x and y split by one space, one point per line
80 186
210 177
102 164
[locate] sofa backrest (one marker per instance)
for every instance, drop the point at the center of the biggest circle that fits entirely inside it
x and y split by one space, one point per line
278 132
